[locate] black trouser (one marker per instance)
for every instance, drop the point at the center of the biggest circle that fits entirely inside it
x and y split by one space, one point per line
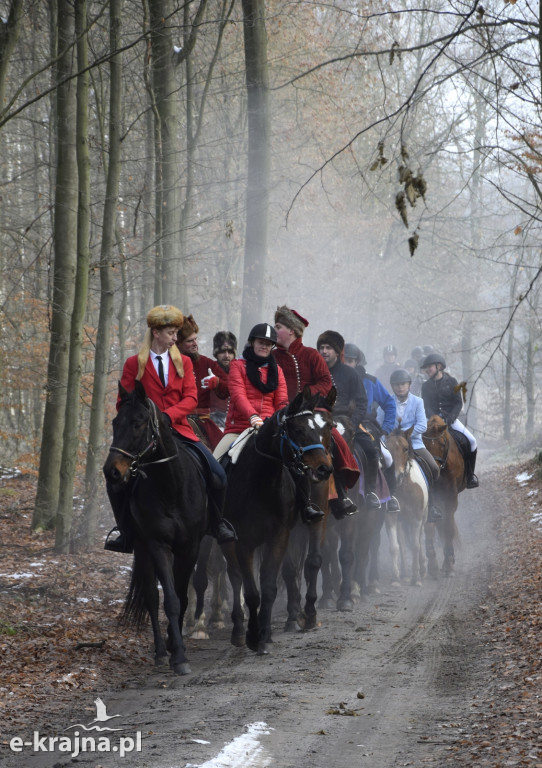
214 474
368 445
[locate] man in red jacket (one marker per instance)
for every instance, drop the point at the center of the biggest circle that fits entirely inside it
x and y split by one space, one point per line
168 379
210 377
304 365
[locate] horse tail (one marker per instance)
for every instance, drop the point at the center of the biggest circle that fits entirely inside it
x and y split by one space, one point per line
143 583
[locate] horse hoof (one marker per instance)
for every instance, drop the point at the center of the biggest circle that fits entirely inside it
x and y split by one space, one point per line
396 583
345 605
326 603
237 640
291 626
216 625
159 661
262 651
199 634
252 645
181 669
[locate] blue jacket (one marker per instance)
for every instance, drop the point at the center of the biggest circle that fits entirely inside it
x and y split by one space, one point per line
379 395
414 416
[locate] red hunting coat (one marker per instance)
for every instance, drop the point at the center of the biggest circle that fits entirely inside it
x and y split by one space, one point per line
178 399
247 400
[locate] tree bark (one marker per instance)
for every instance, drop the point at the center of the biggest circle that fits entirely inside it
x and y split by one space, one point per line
64 270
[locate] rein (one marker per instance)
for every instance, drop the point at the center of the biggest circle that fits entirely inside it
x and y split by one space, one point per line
297 464
441 459
152 445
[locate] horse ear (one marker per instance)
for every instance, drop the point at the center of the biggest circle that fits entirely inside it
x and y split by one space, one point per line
331 397
408 432
295 405
307 392
123 393
140 391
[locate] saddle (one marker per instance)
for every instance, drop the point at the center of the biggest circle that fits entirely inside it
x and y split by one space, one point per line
462 443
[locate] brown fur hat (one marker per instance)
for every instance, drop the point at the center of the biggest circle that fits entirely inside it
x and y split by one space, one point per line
224 338
188 327
162 316
334 339
291 319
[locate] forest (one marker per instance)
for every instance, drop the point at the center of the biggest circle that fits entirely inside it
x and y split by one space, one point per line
373 165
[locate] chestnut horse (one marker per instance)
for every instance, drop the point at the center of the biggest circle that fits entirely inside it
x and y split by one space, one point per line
442 446
412 494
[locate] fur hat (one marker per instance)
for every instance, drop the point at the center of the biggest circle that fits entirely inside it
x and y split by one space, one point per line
334 339
160 317
224 338
291 319
188 327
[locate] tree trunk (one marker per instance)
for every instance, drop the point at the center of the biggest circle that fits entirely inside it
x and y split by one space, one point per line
64 271
257 81
9 34
101 363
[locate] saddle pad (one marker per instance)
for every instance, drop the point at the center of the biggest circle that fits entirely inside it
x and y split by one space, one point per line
238 444
461 441
423 468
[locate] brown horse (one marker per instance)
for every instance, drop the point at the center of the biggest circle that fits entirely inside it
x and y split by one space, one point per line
442 446
406 527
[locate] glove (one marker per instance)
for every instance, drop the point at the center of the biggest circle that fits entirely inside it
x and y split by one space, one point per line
255 421
210 381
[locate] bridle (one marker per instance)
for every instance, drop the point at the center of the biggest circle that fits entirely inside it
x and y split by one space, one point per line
153 435
296 463
441 459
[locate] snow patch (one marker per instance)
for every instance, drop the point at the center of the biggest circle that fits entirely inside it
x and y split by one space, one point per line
244 750
523 478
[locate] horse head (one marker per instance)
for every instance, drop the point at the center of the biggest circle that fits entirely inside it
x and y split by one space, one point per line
398 444
138 429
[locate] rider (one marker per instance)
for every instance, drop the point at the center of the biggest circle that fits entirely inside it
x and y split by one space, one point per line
390 364
441 396
210 377
417 378
303 366
351 394
168 378
377 397
257 387
411 413
224 350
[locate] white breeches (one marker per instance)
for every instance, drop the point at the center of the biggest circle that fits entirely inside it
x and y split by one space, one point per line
463 429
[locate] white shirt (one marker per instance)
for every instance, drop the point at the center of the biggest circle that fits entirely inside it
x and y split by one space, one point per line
165 363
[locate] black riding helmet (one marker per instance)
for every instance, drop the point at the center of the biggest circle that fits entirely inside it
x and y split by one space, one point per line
389 350
434 358
400 376
351 350
263 331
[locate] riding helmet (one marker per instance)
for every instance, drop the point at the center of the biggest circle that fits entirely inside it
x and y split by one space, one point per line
351 350
263 331
427 349
400 376
434 358
390 350
417 353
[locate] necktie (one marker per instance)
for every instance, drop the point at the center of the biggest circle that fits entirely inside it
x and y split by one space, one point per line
161 370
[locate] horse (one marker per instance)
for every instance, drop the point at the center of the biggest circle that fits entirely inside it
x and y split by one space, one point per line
444 449
354 541
167 498
261 505
413 496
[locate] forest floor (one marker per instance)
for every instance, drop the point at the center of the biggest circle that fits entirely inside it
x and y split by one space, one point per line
476 641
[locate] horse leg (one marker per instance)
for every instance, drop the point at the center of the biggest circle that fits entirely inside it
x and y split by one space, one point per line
164 564
391 530
269 571
329 563
217 563
374 546
346 559
144 592
313 564
236 580
295 549
448 531
200 582
252 597
182 568
430 551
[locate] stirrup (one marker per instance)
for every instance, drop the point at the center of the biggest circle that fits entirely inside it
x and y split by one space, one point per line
341 508
393 505
120 544
225 532
372 501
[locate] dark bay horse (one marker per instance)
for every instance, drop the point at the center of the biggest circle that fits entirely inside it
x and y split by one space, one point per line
442 446
261 504
405 528
167 501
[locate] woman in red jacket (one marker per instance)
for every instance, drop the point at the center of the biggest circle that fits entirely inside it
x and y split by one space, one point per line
168 379
257 386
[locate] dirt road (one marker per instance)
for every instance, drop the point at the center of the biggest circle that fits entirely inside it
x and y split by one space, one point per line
390 684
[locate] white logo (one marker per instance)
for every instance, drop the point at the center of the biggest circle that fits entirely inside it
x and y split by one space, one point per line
78 742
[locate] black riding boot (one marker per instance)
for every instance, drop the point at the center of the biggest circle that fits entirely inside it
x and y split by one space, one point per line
220 528
434 513
120 504
308 510
342 505
392 505
472 480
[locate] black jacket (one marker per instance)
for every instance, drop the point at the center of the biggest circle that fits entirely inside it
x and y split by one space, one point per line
441 397
350 393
